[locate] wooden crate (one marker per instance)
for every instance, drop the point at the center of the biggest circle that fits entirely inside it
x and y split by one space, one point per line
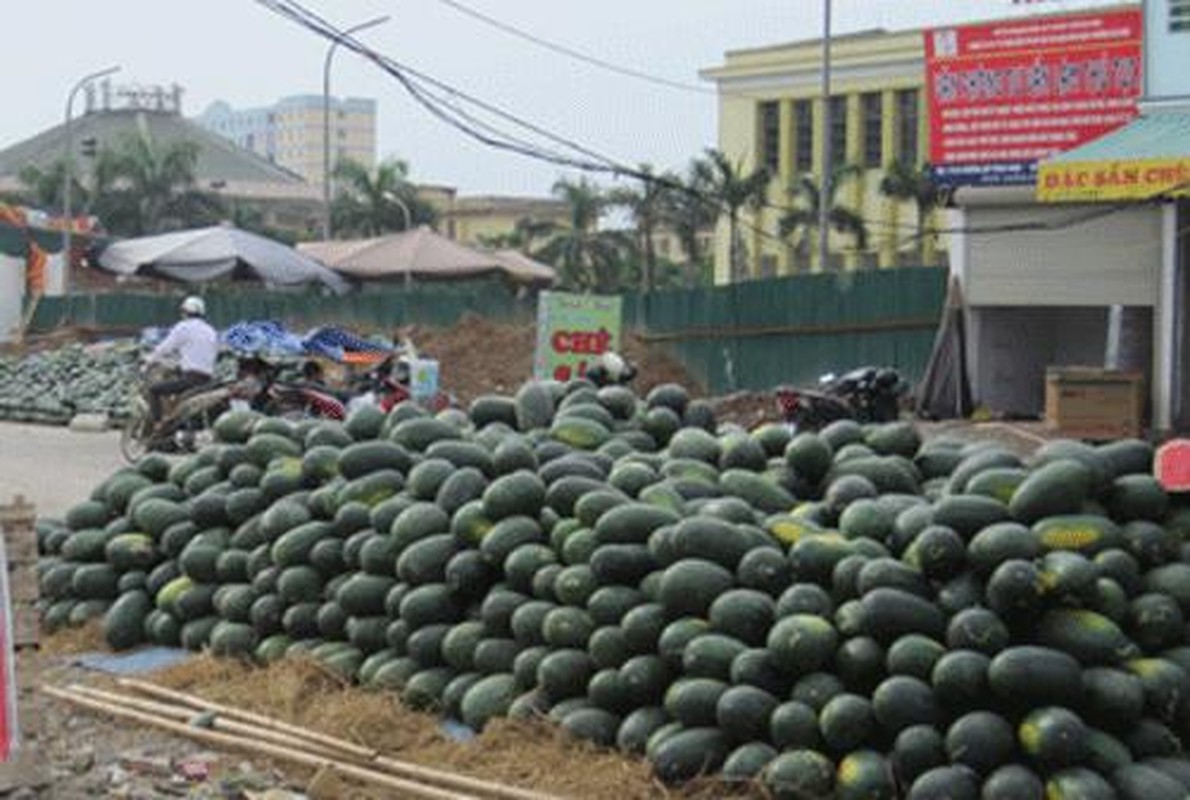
1092 403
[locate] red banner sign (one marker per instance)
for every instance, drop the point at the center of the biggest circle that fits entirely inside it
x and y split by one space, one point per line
1005 95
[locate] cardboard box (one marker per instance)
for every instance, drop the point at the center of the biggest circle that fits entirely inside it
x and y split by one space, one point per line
1092 403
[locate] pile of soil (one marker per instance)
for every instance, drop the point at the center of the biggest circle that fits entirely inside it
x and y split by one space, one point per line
480 356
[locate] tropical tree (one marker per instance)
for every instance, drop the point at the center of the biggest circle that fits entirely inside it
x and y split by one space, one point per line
587 258
804 219
523 237
647 206
145 187
904 182
374 203
689 210
735 190
42 187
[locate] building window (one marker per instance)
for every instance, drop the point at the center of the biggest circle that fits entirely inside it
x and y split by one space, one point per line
770 136
803 136
839 129
907 122
1179 16
873 111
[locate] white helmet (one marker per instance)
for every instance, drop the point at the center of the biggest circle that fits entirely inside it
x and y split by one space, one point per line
613 364
194 306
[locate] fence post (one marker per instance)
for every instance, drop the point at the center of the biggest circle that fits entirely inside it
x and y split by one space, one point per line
18 527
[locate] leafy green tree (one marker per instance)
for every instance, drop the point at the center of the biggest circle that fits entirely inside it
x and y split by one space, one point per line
42 187
370 203
735 190
903 182
803 220
587 258
647 205
690 211
150 187
523 237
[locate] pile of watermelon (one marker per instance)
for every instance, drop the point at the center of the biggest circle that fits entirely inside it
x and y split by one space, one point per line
52 386
850 612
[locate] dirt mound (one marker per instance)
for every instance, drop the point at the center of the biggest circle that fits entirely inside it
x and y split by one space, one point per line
479 356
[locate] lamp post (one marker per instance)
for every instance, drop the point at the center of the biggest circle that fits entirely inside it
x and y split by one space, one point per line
401 204
326 121
68 166
824 184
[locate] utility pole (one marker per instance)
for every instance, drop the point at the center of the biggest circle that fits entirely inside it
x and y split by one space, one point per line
326 121
824 183
68 168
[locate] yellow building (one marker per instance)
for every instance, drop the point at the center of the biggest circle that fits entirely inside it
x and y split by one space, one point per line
486 219
290 133
770 107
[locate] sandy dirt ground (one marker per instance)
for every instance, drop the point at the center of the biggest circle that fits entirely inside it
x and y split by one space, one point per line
54 467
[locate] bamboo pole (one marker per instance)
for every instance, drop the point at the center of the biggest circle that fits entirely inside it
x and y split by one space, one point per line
153 690
186 715
392 765
408 788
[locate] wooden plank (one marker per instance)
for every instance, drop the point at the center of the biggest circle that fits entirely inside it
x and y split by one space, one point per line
26 629
22 586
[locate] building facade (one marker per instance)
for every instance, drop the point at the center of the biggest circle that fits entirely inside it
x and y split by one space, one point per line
290 132
770 112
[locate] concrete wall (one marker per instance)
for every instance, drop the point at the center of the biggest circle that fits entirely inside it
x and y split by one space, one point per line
12 294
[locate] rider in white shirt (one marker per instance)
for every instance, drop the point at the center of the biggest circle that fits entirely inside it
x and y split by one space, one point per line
193 345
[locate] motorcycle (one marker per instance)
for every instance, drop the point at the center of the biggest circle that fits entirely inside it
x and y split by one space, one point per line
867 394
187 419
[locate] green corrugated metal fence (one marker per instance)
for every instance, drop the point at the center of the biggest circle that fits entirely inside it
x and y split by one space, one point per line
761 334
752 335
381 309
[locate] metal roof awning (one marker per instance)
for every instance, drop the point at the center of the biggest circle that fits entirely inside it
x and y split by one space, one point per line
1146 159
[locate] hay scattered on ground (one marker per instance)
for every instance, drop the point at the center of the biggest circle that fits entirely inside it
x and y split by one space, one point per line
73 641
533 755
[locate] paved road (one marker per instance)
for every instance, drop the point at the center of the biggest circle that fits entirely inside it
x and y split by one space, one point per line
54 467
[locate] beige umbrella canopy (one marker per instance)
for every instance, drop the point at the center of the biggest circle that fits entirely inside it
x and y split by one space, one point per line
423 254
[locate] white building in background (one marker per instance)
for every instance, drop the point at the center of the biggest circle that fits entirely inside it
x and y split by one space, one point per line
290 132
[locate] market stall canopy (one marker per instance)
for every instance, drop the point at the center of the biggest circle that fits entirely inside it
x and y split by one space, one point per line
207 254
423 254
1145 159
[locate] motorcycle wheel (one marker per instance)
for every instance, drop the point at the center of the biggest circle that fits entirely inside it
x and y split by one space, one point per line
135 435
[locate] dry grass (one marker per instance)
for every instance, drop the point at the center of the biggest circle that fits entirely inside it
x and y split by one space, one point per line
532 755
73 641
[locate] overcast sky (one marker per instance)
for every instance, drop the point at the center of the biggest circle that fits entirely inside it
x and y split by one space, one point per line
239 51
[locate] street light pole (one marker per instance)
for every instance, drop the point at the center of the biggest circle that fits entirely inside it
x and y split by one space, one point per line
326 121
68 167
824 184
401 204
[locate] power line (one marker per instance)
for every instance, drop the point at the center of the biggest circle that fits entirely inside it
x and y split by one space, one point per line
570 52
428 92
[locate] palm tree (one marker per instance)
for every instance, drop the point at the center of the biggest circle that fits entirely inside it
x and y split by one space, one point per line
144 187
735 191
370 203
587 258
647 207
805 218
522 237
690 211
902 182
42 188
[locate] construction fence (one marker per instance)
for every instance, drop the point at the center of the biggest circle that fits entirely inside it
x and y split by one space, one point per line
752 335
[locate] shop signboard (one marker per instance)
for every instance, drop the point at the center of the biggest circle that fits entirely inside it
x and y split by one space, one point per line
1005 95
1099 181
572 331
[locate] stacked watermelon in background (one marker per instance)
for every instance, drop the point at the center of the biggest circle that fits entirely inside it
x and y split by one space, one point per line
850 611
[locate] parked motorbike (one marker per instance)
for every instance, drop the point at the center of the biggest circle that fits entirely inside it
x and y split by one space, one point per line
867 394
